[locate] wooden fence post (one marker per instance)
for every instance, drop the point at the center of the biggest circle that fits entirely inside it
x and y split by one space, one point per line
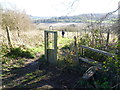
8 37
18 31
76 49
108 35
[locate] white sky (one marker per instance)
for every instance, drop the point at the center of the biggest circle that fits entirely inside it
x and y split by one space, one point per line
59 7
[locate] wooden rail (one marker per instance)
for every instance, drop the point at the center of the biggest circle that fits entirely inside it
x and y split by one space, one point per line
91 61
98 51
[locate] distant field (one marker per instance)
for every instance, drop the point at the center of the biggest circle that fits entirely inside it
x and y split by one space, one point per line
58 26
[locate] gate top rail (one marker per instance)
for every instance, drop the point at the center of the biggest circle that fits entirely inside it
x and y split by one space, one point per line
50 31
99 51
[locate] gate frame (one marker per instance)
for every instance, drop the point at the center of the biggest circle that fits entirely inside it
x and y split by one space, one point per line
50 53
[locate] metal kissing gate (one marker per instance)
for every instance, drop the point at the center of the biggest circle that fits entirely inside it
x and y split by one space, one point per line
51 46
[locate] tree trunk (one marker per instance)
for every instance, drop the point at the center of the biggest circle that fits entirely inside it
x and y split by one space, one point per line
119 28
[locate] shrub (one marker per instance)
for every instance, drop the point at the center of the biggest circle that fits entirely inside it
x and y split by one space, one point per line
15 20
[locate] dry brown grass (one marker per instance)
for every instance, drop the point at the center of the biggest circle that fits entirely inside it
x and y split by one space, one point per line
27 38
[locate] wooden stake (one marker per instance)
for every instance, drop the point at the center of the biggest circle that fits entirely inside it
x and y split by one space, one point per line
107 41
8 37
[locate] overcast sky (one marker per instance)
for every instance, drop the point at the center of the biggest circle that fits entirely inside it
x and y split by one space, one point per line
61 7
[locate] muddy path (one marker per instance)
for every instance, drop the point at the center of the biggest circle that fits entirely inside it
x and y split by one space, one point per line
40 75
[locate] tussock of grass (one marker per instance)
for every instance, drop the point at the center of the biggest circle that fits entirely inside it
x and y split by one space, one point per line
18 52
